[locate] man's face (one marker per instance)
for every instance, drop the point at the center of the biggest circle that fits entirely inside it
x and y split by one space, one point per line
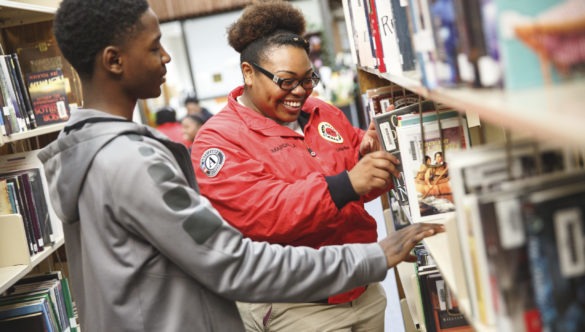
145 59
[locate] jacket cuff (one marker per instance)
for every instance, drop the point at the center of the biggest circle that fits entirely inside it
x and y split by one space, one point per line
340 189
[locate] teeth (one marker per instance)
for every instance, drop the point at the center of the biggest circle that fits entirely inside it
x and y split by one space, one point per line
293 103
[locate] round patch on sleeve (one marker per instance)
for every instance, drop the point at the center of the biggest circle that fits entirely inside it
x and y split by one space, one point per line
328 132
212 161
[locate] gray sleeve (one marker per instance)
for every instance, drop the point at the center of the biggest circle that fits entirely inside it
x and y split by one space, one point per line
188 231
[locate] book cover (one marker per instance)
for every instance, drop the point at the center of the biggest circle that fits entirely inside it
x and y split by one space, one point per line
538 41
555 226
426 172
45 55
385 124
48 96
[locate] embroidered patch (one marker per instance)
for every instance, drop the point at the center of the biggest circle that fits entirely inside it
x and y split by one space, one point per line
329 133
212 161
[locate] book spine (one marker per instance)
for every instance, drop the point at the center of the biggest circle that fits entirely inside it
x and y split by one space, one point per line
25 94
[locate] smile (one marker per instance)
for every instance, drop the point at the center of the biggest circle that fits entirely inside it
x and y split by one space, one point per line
294 104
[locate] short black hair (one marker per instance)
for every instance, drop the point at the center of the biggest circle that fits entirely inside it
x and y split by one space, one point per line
195 117
85 27
191 99
165 114
266 24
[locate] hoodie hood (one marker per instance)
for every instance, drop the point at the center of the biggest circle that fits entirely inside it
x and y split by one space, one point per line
67 160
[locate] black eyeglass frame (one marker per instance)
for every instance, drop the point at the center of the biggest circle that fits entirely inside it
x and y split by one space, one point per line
314 79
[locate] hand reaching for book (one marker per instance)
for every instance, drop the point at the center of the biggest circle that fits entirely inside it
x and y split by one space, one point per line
370 141
373 171
398 245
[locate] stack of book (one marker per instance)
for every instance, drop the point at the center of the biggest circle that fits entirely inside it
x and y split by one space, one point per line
38 303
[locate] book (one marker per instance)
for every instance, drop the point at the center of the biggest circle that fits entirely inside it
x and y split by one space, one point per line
486 169
389 39
45 55
361 36
12 167
403 35
5 205
423 147
65 291
446 40
375 35
11 107
555 226
386 124
48 96
33 306
27 103
538 41
33 322
478 58
422 36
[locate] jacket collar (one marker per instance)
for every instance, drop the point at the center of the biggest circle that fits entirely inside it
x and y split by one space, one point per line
266 126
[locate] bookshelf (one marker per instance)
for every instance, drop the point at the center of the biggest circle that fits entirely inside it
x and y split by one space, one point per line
532 110
15 260
552 113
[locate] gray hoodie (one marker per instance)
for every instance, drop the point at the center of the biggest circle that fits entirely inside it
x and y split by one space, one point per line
146 252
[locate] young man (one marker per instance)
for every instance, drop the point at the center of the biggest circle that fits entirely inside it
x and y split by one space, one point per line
146 252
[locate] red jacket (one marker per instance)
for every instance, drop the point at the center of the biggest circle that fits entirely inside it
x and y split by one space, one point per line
174 131
276 185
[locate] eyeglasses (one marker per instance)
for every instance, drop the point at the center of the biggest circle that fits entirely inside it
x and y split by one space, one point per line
290 84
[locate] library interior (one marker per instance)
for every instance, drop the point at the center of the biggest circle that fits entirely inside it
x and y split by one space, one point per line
478 104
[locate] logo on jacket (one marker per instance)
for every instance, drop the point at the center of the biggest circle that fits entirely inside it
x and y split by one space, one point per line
329 133
212 161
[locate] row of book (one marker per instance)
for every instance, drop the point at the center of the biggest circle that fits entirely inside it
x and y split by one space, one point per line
39 303
478 43
37 87
521 226
518 207
24 192
411 131
437 306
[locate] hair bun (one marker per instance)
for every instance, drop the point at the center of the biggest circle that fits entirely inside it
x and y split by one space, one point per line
261 19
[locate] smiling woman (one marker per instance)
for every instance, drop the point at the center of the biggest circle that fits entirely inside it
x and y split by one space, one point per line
302 156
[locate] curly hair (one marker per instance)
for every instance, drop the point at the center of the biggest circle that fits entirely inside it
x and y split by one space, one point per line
85 27
266 24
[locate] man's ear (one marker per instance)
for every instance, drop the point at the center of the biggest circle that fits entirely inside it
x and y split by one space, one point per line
111 60
248 73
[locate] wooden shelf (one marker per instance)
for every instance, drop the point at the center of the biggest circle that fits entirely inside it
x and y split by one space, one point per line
548 113
32 133
18 12
11 274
